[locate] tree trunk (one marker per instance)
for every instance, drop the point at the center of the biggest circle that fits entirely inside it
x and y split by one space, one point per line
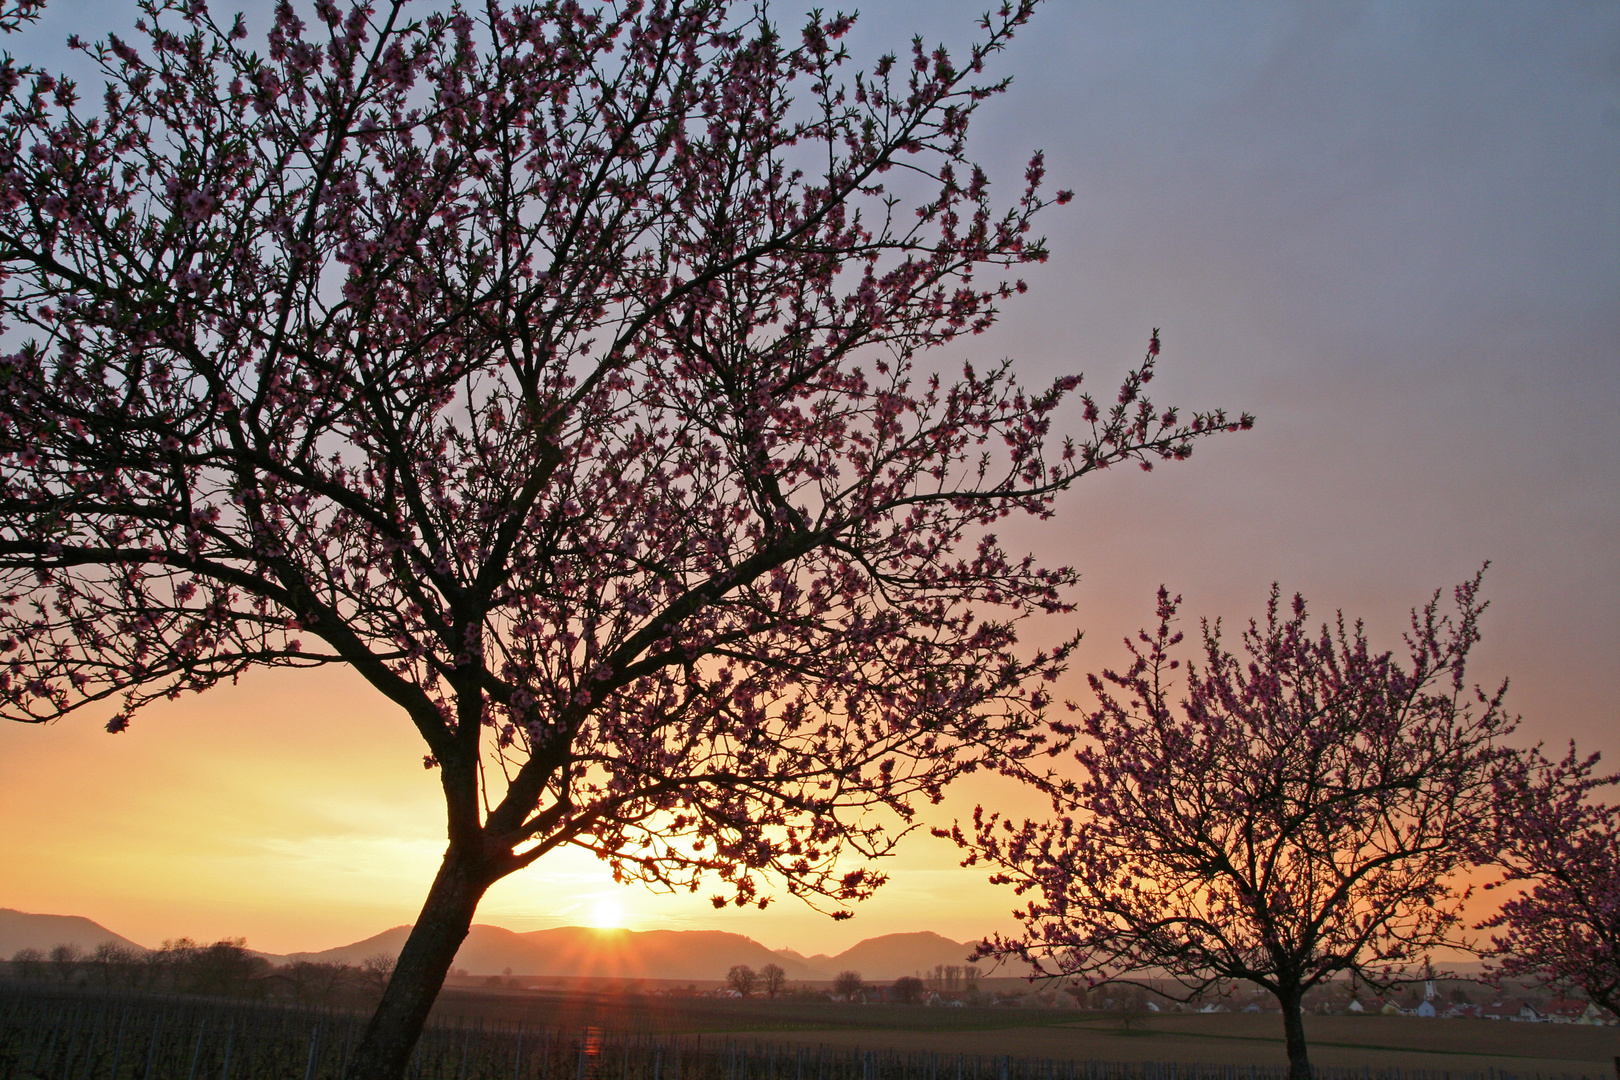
447 914
1293 1010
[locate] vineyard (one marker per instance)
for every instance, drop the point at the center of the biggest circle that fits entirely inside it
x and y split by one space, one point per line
76 1035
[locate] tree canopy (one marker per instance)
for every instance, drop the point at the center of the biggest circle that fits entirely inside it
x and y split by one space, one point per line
1551 834
1297 814
559 369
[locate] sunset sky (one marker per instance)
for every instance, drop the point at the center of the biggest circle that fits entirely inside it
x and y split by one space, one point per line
1390 230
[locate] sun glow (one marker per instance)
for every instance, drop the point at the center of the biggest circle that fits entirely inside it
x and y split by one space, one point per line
607 913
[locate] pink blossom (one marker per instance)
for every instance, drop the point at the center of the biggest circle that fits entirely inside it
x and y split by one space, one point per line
537 386
1280 817
1563 932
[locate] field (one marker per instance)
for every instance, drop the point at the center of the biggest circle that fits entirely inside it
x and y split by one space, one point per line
55 1033
1409 1043
1221 1039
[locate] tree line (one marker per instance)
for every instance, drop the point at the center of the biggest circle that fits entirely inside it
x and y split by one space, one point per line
224 968
771 981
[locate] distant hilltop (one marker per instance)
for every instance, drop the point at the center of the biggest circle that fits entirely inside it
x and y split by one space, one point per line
569 951
21 930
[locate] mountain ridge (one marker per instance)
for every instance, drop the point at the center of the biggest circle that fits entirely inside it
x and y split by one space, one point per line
567 951
28 930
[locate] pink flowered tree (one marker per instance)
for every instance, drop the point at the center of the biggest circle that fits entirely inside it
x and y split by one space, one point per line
1563 930
1280 817
14 14
559 369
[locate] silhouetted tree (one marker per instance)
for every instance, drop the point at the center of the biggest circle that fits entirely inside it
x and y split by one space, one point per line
65 961
557 371
908 989
1132 1008
28 963
377 971
224 967
847 984
742 979
1563 932
1299 813
170 963
317 981
118 965
771 979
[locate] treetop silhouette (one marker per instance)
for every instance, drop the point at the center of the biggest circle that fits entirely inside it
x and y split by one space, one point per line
556 368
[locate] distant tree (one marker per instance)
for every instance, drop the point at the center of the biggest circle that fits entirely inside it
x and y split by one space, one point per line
157 965
908 989
170 964
1299 814
377 970
317 981
118 965
226 967
560 370
742 979
223 967
66 960
847 984
28 964
1563 932
771 979
1132 1008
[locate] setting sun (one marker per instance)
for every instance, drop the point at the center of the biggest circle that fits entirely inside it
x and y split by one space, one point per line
607 913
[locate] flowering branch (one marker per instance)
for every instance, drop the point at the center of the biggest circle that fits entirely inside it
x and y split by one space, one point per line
1564 930
559 369
1296 815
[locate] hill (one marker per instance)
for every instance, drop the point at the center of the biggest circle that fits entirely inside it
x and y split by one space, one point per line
699 955
661 954
24 930
888 957
580 951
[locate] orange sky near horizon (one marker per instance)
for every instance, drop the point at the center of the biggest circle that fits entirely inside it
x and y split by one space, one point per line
293 809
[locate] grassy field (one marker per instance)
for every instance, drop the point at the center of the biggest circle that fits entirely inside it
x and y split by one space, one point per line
1221 1039
1444 1045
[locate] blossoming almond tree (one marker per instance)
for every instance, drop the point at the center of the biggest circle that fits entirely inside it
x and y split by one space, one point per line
557 370
1297 814
1564 930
